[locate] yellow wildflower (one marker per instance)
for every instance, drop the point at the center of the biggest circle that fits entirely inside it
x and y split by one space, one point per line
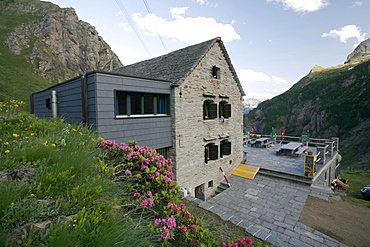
53 145
32 134
81 133
26 137
45 143
6 143
15 135
74 130
7 151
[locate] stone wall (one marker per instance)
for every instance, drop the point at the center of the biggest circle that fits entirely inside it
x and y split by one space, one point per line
190 129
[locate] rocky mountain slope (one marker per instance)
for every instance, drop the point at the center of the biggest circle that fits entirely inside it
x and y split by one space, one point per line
54 43
328 102
250 104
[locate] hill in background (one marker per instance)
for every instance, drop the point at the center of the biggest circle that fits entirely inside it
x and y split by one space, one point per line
42 44
327 102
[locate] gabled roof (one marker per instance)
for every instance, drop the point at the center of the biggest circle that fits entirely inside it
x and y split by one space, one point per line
177 65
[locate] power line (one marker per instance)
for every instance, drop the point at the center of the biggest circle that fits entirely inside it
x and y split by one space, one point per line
132 24
160 37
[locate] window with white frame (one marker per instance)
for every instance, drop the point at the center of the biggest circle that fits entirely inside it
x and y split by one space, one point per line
133 104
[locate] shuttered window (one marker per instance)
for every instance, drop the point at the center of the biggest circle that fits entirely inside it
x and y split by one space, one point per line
209 110
225 148
210 152
225 109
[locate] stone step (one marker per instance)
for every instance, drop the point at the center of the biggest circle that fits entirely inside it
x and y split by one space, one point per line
286 176
222 187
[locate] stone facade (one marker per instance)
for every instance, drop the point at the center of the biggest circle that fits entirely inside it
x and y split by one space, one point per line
191 132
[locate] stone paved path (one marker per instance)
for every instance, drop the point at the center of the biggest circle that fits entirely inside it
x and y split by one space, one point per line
269 209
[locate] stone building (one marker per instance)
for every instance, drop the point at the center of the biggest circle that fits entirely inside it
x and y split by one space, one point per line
187 104
207 113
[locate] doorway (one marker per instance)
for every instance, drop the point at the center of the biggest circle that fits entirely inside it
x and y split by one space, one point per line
199 192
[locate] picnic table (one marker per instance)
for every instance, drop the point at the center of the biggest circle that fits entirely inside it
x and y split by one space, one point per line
261 142
291 148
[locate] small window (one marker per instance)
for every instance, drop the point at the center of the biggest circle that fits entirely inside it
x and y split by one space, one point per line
210 152
209 110
216 72
121 103
148 103
135 103
48 103
210 184
162 104
225 148
225 109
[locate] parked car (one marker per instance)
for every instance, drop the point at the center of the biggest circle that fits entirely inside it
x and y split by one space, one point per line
365 191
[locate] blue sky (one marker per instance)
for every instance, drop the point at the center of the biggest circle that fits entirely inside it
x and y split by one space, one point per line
272 43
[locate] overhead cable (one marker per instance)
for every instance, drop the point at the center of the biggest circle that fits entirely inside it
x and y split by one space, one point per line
132 24
160 37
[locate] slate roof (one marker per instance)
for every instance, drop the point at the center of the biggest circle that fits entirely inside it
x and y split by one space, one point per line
177 65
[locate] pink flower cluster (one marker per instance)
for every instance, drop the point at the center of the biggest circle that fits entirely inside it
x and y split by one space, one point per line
240 242
142 164
169 224
146 200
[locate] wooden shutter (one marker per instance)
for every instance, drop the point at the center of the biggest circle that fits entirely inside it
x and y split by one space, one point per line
212 111
214 152
227 110
226 148
206 154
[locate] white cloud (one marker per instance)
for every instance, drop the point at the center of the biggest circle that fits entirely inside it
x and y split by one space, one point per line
201 2
302 5
260 85
249 75
186 29
125 25
92 22
279 80
178 11
345 33
356 4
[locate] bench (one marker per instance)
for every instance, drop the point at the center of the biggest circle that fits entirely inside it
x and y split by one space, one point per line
301 150
267 144
253 143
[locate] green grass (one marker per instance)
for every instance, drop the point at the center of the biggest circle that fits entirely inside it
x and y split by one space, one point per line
356 180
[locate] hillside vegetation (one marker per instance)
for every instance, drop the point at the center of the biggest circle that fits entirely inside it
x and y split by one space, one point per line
327 102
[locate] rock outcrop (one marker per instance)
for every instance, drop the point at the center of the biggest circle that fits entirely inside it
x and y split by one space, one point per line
58 44
362 51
